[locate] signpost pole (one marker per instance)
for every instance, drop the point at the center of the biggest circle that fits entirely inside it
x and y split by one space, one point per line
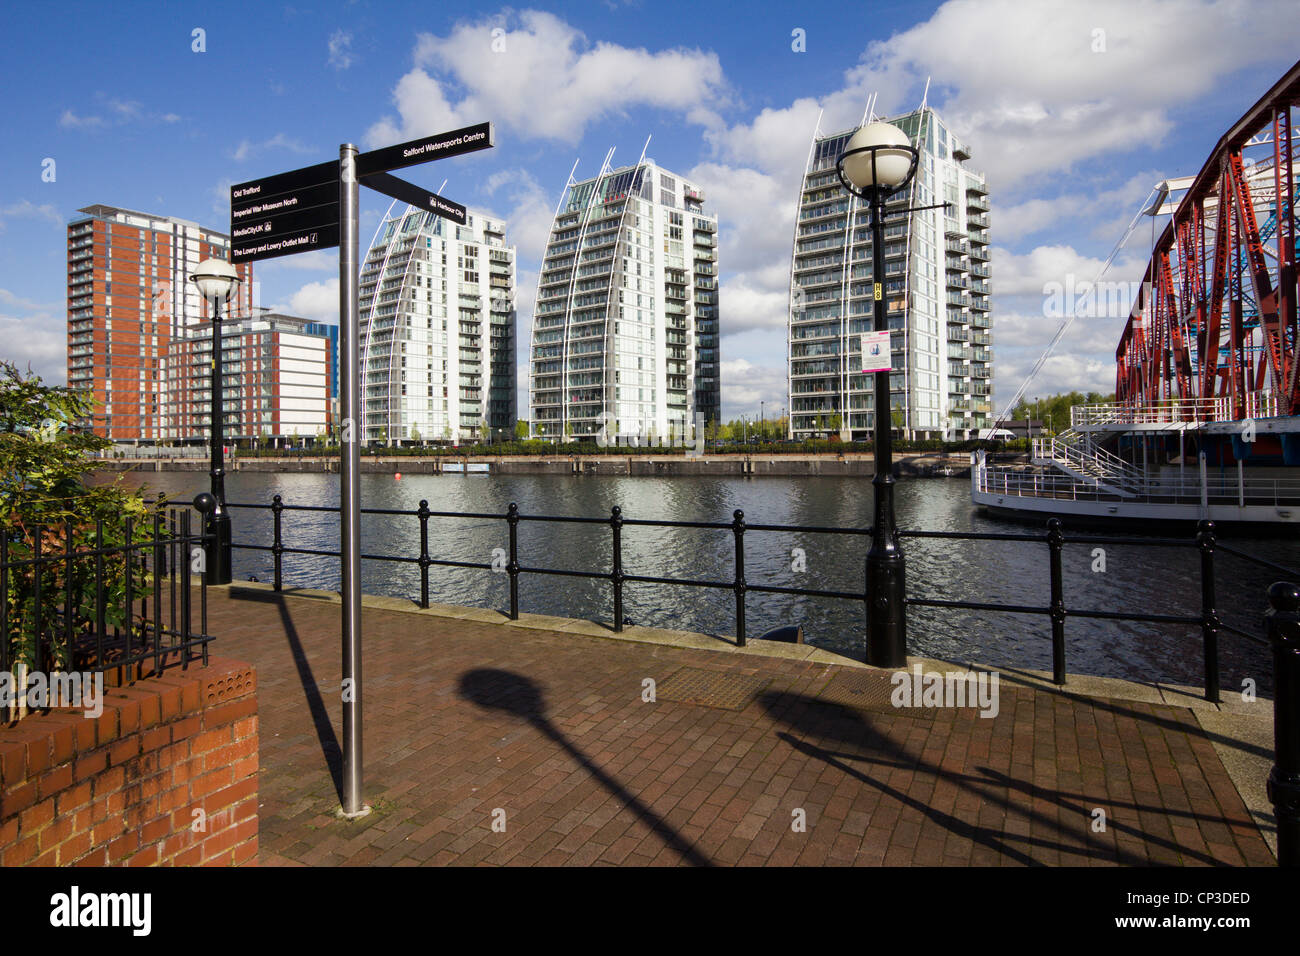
349 472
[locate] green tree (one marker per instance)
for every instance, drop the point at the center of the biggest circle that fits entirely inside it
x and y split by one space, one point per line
47 502
484 432
415 433
521 429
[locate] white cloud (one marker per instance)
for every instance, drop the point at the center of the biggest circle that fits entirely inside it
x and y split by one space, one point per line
35 334
539 77
247 149
533 211
1029 274
1022 83
116 113
1118 205
745 384
26 209
340 47
315 300
748 308
755 214
70 120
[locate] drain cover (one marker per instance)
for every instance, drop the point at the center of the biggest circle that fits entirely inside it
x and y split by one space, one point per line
695 685
865 690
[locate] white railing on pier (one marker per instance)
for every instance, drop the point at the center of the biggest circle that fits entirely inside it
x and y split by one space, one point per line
1011 482
1174 411
1078 456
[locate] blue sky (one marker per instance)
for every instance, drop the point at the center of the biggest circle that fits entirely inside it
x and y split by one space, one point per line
1072 110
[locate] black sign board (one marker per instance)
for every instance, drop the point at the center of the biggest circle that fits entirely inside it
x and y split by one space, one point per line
438 146
285 243
409 193
258 189
280 215
306 197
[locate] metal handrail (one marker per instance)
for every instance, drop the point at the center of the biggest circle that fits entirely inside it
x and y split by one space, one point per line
619 577
1174 410
1009 481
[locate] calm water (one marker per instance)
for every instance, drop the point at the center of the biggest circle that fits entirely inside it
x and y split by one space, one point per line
1155 580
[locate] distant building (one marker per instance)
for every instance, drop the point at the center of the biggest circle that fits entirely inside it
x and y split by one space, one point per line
276 381
331 332
936 288
129 300
438 330
625 327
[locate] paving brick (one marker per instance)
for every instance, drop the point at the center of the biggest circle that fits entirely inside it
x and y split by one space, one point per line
594 776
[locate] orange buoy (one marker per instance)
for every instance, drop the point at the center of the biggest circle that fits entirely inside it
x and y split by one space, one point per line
398 476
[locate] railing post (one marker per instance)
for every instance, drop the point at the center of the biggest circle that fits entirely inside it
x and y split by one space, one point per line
512 566
1283 621
616 525
277 545
186 552
1209 614
423 514
1055 544
738 530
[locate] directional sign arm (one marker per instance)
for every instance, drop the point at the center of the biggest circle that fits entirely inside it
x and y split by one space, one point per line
438 146
406 192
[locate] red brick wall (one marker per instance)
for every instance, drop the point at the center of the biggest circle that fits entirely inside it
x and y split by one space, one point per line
124 788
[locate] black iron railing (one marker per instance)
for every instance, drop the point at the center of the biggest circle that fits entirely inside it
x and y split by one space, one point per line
1053 538
104 597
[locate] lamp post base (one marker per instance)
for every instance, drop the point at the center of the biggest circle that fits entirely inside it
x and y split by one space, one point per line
218 568
886 610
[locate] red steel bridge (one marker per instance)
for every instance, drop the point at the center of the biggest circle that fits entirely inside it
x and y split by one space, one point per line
1215 320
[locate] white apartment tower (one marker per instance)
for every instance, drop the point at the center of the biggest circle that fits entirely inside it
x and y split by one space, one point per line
625 328
936 288
438 330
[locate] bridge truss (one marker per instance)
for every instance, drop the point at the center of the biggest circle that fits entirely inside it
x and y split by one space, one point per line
1216 316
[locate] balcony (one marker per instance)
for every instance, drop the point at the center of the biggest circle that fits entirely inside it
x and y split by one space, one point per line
978 221
976 202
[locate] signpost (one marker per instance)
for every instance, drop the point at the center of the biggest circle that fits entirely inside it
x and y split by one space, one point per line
317 207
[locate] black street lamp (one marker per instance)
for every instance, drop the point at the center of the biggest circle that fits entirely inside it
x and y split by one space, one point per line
878 161
216 279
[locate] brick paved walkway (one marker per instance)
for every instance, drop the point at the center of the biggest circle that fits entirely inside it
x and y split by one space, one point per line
467 722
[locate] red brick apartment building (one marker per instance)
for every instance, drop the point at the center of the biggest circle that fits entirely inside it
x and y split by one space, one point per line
129 299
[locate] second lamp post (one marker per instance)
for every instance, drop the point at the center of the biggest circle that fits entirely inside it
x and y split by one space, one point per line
877 161
216 279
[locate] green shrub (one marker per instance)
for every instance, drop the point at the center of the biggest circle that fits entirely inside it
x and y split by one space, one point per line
46 503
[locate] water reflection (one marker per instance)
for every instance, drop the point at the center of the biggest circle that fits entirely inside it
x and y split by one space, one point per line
1164 581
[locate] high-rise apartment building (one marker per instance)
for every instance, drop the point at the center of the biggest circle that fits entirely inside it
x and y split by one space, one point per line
625 328
438 330
129 299
936 288
275 373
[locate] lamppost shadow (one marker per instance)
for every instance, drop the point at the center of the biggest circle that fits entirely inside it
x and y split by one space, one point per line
845 726
518 696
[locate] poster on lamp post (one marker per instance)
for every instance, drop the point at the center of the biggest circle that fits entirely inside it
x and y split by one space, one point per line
875 351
